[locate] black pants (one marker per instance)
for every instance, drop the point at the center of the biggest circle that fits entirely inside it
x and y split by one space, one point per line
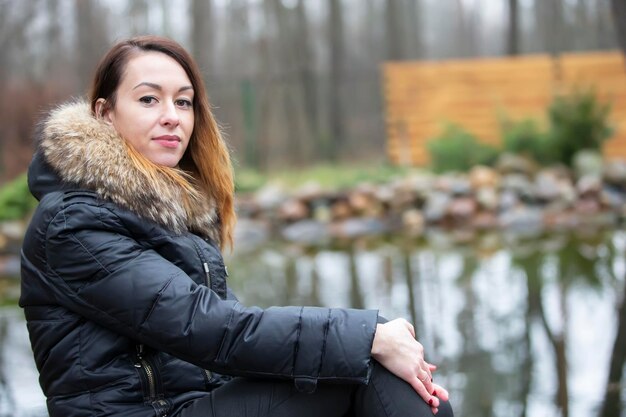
385 396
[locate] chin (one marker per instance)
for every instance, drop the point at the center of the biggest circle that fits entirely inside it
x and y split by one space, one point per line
166 161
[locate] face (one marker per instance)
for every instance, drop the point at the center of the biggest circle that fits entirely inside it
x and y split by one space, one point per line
154 108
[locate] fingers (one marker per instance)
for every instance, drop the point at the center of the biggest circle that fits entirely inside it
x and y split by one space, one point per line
423 392
426 378
440 392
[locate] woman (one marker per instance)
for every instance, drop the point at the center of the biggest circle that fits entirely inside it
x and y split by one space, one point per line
124 288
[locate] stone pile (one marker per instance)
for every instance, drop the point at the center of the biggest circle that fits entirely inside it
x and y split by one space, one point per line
515 197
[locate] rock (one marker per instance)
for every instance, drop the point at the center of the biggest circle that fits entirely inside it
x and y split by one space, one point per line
384 193
518 183
436 206
443 183
403 198
306 231
460 186
588 162
599 219
614 173
484 220
421 183
508 200
356 227
589 186
360 201
547 186
487 198
522 220
509 163
293 210
310 191
587 206
483 177
462 208
340 210
612 198
13 229
560 220
413 221
246 206
321 211
270 196
9 266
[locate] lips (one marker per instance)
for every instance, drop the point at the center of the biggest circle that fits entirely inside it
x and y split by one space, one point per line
168 141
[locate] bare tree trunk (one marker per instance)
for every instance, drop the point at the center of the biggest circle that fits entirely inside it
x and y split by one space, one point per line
410 285
555 26
414 46
202 35
542 13
465 34
513 33
356 295
306 70
374 42
292 109
558 344
337 54
54 52
582 23
394 30
612 402
166 21
619 16
91 38
138 16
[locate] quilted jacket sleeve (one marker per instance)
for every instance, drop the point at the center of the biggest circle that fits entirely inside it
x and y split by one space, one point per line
97 269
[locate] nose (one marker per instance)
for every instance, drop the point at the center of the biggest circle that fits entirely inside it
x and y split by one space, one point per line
170 115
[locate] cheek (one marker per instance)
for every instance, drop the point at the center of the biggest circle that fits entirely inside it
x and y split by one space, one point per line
190 123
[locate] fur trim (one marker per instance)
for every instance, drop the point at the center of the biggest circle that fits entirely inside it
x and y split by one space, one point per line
88 152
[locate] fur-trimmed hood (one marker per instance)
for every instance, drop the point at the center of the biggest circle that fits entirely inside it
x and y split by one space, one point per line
90 154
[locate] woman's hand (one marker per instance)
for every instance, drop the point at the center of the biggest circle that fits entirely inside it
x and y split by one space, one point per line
396 349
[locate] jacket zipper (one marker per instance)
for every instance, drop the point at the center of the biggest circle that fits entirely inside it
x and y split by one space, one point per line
208 274
148 370
205 265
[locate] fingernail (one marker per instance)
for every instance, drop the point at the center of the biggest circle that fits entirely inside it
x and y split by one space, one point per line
431 380
435 393
430 402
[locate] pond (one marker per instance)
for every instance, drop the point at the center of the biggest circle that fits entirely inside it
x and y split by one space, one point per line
519 326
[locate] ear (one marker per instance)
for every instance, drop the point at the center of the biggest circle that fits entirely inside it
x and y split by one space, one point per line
103 111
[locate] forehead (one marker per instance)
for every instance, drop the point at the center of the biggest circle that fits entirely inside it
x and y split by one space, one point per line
154 67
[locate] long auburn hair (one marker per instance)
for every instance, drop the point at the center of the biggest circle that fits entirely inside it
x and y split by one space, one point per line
206 163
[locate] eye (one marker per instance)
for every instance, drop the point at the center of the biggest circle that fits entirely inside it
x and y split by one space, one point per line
184 103
148 99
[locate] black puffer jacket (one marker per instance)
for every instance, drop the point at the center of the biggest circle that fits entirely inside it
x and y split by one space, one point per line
125 296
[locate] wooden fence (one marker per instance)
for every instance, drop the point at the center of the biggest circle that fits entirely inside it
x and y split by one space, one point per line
422 97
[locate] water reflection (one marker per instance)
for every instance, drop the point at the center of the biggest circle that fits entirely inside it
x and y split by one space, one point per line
520 327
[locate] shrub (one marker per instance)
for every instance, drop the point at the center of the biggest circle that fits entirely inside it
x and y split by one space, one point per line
577 121
526 138
458 150
16 201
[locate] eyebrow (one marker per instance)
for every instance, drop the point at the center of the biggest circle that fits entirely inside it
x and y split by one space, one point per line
158 87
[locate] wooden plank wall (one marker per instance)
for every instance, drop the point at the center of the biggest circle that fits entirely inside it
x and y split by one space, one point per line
422 97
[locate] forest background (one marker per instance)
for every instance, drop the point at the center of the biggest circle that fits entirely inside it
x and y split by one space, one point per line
293 82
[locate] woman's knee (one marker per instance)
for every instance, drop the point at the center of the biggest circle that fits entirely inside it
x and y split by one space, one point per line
445 409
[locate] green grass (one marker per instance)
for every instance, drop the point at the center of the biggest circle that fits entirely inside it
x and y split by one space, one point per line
329 176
